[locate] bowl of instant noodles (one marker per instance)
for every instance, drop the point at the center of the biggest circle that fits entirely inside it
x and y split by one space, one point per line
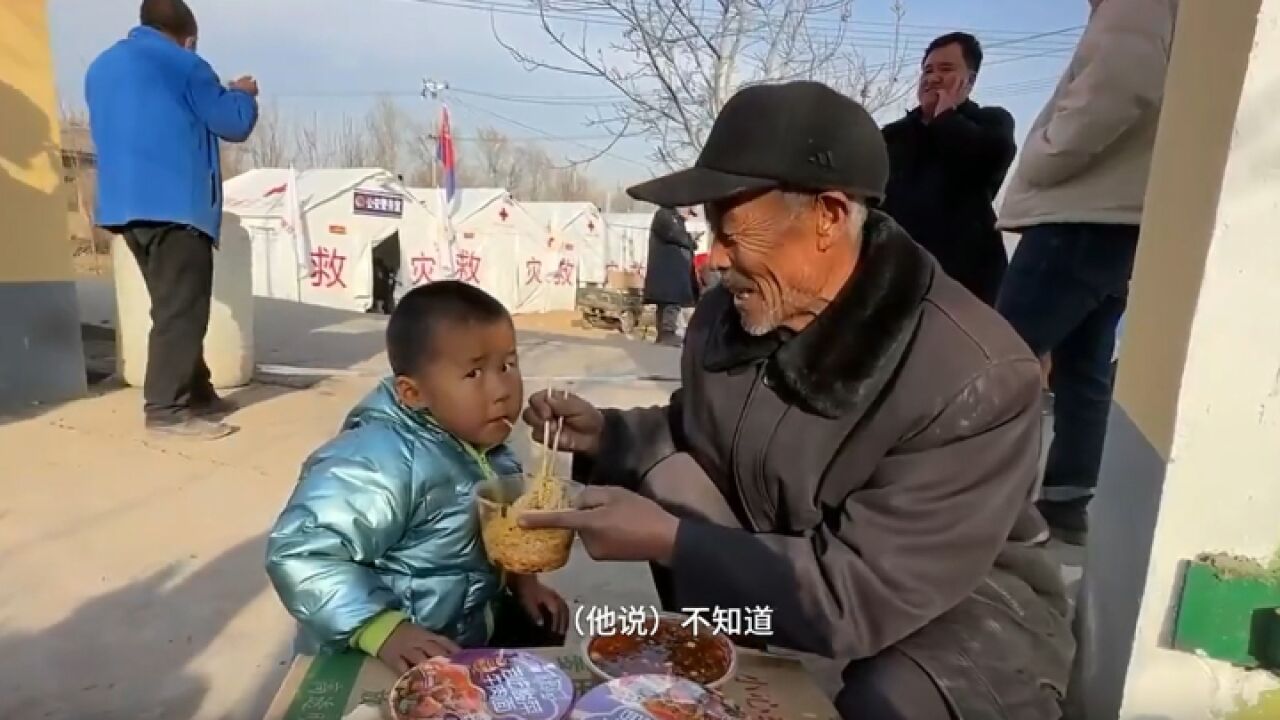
500 502
654 697
483 684
676 645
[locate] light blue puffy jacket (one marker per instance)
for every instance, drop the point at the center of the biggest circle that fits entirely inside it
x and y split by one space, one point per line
382 519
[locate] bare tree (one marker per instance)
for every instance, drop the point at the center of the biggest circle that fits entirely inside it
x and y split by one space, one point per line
682 59
350 146
495 158
268 146
308 145
388 128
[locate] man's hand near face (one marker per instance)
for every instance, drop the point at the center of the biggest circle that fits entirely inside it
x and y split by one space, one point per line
929 104
950 96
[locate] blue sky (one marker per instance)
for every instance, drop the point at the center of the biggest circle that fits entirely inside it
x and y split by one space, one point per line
330 57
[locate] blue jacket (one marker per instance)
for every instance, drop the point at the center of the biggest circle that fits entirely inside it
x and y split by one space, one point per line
156 111
382 519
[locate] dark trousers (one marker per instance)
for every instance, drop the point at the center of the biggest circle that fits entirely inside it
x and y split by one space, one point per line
177 266
1065 291
513 628
668 321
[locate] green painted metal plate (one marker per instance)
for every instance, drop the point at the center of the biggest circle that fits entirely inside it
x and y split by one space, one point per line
1226 617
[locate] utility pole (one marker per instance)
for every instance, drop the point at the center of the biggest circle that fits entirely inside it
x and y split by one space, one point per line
431 91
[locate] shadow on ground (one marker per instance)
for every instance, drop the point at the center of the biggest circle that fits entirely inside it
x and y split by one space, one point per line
128 653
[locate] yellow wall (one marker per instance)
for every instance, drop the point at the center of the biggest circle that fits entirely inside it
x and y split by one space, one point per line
1181 208
33 206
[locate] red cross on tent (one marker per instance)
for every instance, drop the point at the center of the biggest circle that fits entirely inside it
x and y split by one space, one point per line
503 214
591 226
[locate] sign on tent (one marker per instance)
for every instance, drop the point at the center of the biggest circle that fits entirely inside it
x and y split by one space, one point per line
369 203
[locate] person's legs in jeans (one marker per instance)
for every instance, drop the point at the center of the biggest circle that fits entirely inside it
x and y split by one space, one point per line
177 265
1081 380
1063 293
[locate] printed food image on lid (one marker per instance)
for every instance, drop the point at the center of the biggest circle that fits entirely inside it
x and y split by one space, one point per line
483 684
654 697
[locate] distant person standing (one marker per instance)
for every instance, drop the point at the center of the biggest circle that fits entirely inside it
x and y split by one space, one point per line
1077 198
157 112
948 158
669 280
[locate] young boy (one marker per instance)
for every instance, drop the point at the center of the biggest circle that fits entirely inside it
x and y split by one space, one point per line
379 547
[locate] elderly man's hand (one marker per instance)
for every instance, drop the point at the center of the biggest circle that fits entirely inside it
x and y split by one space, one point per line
615 524
583 423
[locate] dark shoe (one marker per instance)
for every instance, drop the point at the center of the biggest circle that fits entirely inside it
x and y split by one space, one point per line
214 407
1068 521
190 428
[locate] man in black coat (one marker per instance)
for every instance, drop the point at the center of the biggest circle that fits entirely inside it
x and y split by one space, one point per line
668 281
948 158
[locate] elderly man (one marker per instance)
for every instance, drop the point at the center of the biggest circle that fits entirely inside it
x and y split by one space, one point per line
854 443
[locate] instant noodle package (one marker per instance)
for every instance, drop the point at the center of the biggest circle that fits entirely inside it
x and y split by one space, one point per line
483 684
654 697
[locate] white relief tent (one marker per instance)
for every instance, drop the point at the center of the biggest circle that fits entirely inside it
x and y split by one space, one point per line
500 247
627 238
583 225
627 241
350 216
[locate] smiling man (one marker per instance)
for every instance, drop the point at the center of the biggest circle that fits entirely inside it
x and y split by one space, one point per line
948 158
854 443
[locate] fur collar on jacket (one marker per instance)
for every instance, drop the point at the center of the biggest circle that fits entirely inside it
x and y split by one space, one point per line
843 359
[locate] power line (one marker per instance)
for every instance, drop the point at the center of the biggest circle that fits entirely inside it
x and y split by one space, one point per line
588 14
545 134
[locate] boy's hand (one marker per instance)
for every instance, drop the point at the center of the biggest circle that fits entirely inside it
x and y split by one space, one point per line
542 603
411 644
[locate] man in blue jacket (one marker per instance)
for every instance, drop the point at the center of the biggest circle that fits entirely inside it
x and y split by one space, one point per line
157 112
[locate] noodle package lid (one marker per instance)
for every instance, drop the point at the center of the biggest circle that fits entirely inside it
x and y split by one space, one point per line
654 697
483 684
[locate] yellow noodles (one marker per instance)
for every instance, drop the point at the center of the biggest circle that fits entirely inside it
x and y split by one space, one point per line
522 550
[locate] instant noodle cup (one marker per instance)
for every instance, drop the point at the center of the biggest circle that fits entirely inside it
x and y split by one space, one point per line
654 697
673 644
502 500
483 684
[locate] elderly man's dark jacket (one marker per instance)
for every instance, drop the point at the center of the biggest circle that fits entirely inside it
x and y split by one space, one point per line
883 462
944 176
668 276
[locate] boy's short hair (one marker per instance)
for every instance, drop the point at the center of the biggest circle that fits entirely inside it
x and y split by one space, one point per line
173 17
970 48
418 317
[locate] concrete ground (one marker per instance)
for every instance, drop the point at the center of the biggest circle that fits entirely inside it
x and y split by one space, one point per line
132 569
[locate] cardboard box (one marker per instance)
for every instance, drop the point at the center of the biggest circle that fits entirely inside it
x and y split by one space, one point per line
624 280
328 687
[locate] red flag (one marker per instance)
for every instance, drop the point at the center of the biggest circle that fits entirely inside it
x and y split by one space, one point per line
444 153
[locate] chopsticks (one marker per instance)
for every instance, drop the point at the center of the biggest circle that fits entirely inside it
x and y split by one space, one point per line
549 450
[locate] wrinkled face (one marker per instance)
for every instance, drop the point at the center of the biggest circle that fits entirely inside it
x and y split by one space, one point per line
471 383
771 253
944 68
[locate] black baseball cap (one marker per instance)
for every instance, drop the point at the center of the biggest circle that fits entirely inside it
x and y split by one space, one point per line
800 135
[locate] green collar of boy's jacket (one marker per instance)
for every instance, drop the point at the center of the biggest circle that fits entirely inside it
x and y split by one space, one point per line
481 457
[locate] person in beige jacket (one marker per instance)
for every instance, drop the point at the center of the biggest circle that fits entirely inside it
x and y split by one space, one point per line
1076 198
